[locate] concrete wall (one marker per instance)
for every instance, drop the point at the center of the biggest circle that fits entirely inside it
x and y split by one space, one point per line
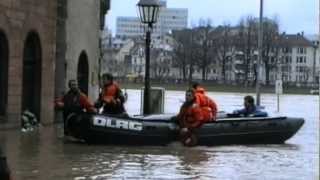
17 19
82 34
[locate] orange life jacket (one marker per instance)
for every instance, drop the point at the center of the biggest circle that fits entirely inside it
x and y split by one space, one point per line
110 92
190 116
208 106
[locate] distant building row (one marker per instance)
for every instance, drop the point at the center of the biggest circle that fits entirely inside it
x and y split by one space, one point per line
299 61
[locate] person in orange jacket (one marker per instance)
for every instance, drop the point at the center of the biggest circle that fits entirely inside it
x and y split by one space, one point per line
74 102
204 101
111 97
191 117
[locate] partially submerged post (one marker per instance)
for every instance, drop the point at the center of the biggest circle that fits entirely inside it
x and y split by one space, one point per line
279 91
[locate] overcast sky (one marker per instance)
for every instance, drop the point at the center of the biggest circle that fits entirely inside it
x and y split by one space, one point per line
293 15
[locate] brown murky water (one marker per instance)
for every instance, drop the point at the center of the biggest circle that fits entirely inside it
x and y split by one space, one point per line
46 155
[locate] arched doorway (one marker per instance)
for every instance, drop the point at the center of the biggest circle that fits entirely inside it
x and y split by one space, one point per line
31 87
83 72
4 54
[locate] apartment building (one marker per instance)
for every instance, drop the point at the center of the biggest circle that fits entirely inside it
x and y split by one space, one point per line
298 58
169 19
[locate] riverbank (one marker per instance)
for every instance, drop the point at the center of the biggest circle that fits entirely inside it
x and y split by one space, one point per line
221 88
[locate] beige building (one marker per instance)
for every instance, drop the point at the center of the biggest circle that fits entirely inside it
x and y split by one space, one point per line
297 60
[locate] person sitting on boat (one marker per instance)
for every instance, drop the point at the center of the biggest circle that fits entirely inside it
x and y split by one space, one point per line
203 100
250 109
191 117
74 102
111 98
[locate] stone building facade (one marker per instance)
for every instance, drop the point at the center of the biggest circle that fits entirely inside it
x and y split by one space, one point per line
78 53
27 59
43 44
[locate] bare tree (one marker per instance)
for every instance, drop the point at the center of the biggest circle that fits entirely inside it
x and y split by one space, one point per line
222 39
180 51
245 43
184 52
160 66
203 45
270 48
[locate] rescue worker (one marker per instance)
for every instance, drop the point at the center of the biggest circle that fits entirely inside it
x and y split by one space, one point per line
205 101
250 109
191 117
74 102
111 97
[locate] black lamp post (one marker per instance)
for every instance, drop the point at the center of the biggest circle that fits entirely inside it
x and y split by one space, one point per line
148 11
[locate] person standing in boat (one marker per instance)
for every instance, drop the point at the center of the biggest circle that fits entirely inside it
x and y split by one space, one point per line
111 97
74 102
250 109
191 117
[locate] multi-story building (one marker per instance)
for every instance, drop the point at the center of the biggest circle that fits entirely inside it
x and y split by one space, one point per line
294 62
115 59
127 57
315 39
297 56
169 19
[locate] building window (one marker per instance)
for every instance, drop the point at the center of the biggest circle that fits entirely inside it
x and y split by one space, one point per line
301 51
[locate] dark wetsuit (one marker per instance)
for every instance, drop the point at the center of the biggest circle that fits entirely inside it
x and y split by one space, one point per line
75 102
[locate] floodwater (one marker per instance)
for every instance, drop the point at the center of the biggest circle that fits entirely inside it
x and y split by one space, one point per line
46 155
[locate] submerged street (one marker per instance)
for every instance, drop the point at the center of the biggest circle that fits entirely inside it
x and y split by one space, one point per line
47 155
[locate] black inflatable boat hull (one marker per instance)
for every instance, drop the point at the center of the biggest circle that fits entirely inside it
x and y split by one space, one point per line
162 130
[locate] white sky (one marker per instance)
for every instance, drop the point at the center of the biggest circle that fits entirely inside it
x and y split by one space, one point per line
293 15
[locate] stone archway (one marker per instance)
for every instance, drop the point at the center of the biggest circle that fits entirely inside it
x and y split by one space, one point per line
4 54
83 72
31 84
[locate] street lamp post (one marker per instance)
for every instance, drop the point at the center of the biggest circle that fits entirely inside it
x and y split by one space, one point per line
148 11
259 64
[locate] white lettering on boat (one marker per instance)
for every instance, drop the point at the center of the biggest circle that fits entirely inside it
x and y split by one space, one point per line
116 123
